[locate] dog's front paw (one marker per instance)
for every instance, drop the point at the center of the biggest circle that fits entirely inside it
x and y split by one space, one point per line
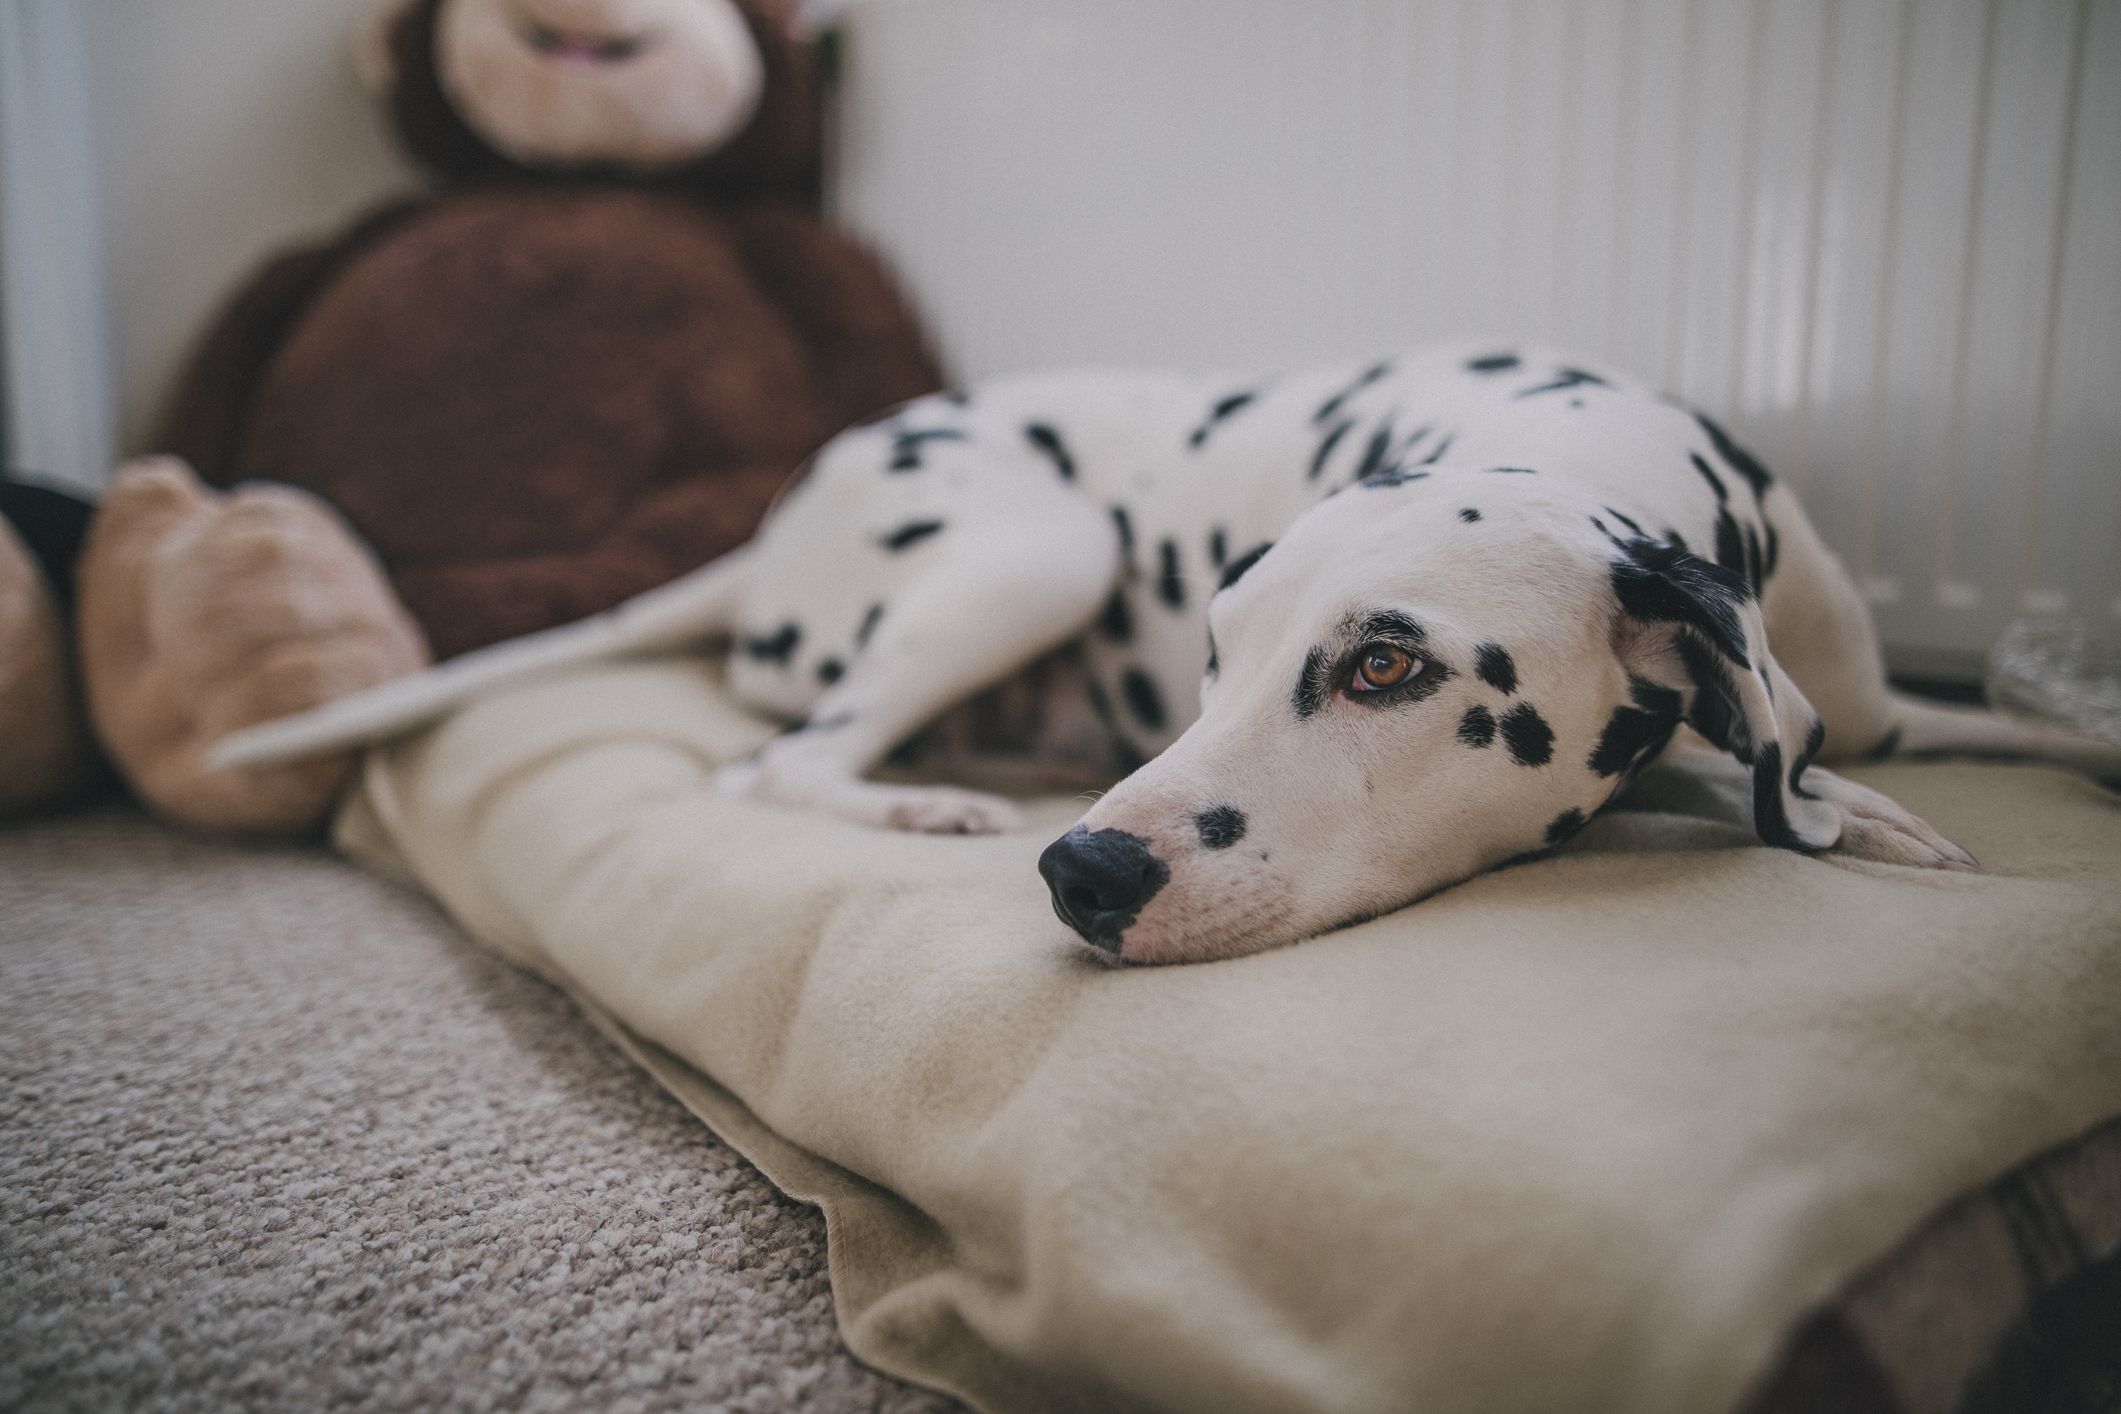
1876 827
934 810
941 810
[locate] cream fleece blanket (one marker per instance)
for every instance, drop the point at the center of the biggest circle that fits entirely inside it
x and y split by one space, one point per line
1586 1134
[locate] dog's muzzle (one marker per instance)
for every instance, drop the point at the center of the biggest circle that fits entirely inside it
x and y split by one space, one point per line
1100 880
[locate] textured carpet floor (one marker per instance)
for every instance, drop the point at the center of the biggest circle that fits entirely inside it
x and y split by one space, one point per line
274 1136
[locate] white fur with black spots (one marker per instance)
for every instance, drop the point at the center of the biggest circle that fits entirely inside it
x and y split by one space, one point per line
1465 597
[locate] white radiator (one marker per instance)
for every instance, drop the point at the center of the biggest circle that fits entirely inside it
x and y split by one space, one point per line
1883 237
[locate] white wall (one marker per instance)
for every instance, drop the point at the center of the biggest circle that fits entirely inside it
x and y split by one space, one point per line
1882 237
228 128
152 152
55 343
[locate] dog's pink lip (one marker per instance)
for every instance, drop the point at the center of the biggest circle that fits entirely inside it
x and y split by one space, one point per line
580 49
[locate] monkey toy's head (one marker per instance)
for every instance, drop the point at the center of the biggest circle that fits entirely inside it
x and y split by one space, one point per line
714 92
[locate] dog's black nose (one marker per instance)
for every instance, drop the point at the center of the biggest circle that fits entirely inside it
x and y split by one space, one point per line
1100 879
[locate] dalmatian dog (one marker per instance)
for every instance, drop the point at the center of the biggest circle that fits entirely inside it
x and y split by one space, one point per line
1348 635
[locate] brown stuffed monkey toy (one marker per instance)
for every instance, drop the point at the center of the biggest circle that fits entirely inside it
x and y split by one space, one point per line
581 367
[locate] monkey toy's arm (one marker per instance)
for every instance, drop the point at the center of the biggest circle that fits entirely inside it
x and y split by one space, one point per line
207 415
867 351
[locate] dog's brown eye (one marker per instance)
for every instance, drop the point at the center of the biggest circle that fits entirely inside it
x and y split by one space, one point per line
1382 665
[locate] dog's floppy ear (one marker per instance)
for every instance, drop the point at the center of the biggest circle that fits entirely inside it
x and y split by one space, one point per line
1697 626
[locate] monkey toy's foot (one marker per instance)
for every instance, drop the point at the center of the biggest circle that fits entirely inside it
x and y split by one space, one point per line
201 612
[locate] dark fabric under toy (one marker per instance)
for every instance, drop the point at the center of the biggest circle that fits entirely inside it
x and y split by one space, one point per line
537 394
52 524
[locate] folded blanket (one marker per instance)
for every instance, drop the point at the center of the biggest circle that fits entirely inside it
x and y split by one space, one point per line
1589 1133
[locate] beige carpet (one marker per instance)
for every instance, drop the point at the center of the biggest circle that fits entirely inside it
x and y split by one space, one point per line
273 1135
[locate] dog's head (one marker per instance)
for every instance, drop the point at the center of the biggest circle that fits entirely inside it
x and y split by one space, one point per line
1421 680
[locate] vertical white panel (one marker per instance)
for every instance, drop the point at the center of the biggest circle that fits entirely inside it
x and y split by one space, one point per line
1879 236
61 407
1794 106
1440 108
227 130
1720 191
1860 214
1997 397
2076 555
1658 136
1928 269
1596 92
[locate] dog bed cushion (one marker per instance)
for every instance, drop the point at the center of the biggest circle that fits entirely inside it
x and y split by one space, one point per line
1592 1133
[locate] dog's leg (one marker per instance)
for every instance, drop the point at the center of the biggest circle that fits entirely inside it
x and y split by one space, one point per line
1826 641
1004 583
1920 728
1871 825
692 608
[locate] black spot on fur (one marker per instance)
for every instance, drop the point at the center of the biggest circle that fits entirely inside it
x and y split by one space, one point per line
910 534
1125 525
1235 570
868 627
1632 735
1218 547
1049 444
1526 733
1373 455
1735 456
1755 562
1477 727
1813 740
1658 584
1566 379
1565 825
1887 745
1215 662
1629 521
1325 448
1469 515
1774 552
1222 411
1714 711
1493 363
1332 406
1392 476
1511 471
1708 474
1677 541
1143 700
1496 668
1170 583
777 647
1436 452
1220 826
906 445
1771 818
1312 684
1117 621
831 671
1730 542
1655 698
